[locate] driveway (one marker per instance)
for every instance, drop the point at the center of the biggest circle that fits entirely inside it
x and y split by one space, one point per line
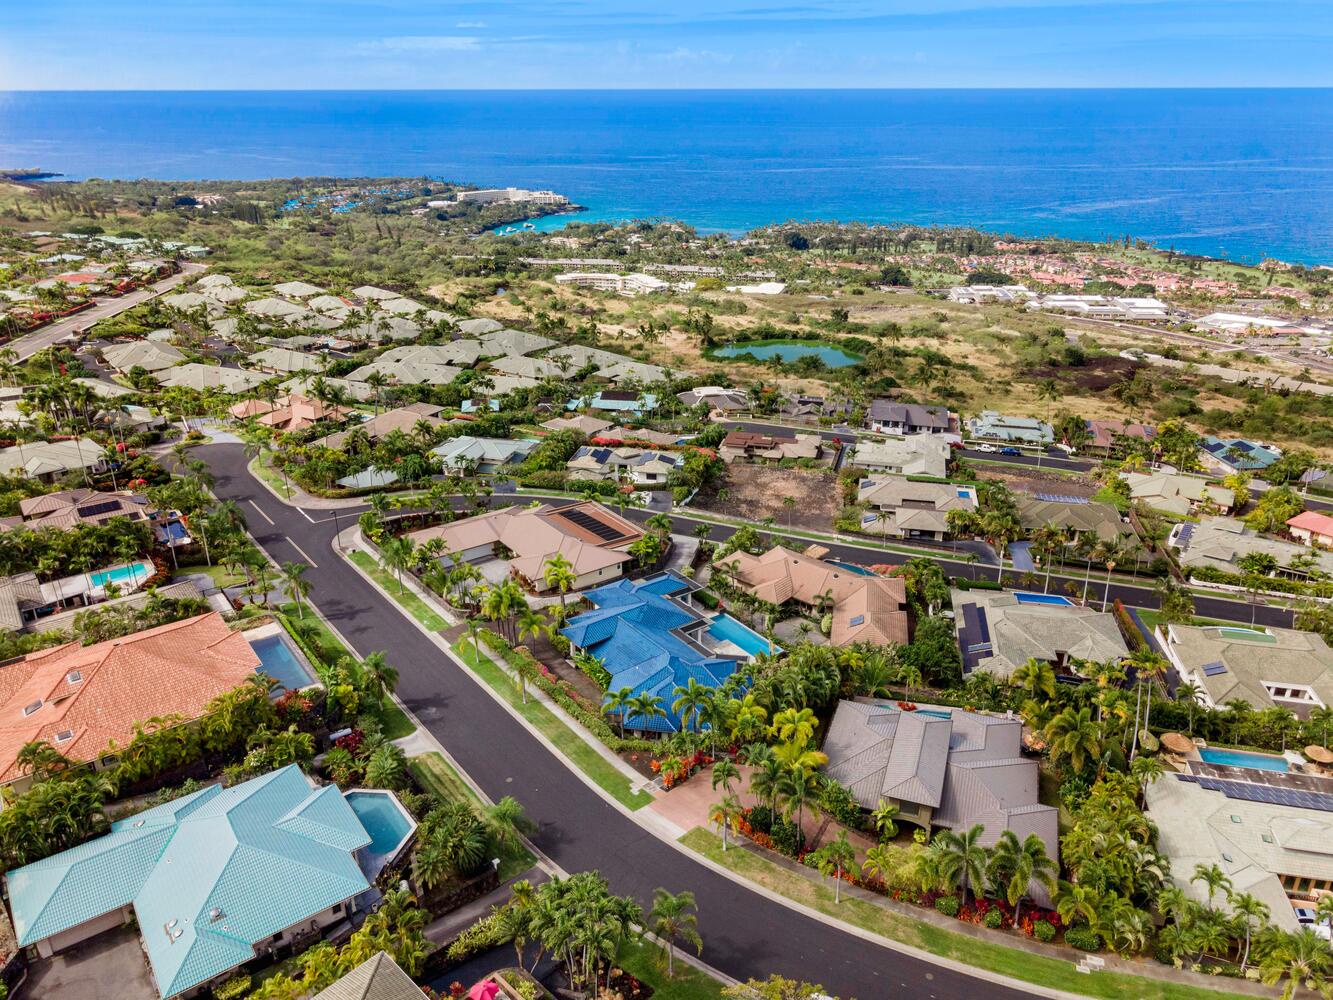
110 966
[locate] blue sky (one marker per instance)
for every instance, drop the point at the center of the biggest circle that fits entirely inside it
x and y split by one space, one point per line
406 44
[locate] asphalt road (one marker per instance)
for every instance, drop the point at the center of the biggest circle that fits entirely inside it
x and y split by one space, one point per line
745 934
29 344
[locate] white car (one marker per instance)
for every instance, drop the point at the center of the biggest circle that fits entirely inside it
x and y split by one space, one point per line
1305 916
988 448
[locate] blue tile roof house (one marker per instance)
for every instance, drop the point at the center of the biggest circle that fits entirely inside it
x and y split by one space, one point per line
1238 455
652 639
993 426
215 879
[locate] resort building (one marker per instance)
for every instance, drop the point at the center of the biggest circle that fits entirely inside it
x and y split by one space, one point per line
404 418
481 455
490 196
80 698
1103 307
923 455
1075 516
47 461
149 355
1264 667
989 425
943 767
1222 542
866 607
200 875
1113 437
1273 839
888 417
752 447
622 284
978 294
1310 527
652 638
644 468
521 540
1226 455
999 631
1172 493
898 507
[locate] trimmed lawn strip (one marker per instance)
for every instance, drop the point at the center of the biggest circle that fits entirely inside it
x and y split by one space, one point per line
415 606
260 467
1151 619
1022 965
433 772
588 760
221 576
645 961
393 720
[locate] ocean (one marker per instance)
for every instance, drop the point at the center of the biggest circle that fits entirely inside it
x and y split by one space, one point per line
1244 174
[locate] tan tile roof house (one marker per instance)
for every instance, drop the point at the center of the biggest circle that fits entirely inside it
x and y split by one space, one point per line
146 354
593 538
922 455
377 978
69 508
1176 494
918 510
1075 517
284 361
865 608
584 424
79 698
404 419
46 460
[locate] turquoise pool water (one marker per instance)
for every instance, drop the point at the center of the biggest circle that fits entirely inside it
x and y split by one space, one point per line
135 573
278 661
933 713
851 567
1239 758
1025 598
728 629
383 820
834 357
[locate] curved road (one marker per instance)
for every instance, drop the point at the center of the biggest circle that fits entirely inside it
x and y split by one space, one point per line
745 934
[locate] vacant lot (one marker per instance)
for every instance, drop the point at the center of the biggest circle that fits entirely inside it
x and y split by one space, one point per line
755 492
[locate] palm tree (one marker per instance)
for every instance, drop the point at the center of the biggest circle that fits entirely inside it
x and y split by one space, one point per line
1251 913
690 698
837 856
672 919
1214 878
558 572
1073 735
1016 864
1303 957
884 816
1188 692
961 857
910 676
725 813
508 823
378 678
766 780
1035 677
878 863
725 774
295 585
797 787
793 725
396 555
618 701
646 707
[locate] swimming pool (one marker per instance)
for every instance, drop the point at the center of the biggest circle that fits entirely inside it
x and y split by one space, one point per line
933 713
1239 758
278 661
1026 598
851 567
725 628
386 822
133 574
1246 634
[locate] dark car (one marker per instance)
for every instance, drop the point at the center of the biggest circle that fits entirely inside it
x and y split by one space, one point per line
1010 451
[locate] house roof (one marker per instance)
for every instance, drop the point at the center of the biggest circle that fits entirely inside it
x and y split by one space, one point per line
284 360
1237 453
374 292
39 458
92 695
1174 493
66 509
907 497
582 423
635 630
502 342
457 352
537 368
1313 521
404 419
146 354
490 451
209 875
297 289
383 327
201 377
479 326
910 414
922 455
377 978
1221 542
407 373
1233 663
1100 519
998 633
1106 432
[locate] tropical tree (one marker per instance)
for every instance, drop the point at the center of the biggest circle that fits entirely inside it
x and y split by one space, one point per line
295 585
1015 865
725 813
1074 736
1302 958
397 554
1214 879
1251 914
378 679
507 822
960 857
673 919
725 774
884 817
618 701
558 572
1036 677
837 856
646 707
690 699
794 726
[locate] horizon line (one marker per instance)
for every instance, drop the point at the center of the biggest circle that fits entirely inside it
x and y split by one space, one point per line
660 90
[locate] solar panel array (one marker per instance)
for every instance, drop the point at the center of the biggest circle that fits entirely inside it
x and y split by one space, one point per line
584 520
105 507
1248 792
1061 498
1214 668
974 637
1184 535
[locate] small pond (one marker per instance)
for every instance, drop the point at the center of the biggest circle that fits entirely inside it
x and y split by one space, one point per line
791 350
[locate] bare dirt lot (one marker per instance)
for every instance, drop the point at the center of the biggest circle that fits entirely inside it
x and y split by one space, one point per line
755 492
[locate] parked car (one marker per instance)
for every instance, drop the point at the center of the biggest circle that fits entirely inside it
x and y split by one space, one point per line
988 448
1305 916
1010 451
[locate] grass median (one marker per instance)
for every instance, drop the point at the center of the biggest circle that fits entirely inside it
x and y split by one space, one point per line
1022 965
568 742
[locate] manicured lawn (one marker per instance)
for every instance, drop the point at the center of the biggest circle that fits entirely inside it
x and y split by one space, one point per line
415 606
222 577
433 773
588 760
260 467
1022 965
1154 618
393 720
647 962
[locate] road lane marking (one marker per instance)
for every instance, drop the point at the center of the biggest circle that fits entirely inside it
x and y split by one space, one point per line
302 551
261 512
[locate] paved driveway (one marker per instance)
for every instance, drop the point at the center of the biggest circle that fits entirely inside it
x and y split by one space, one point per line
110 966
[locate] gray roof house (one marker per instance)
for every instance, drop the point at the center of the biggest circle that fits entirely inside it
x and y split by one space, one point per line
992 426
944 767
1265 667
643 467
915 510
149 355
1073 515
383 328
538 368
479 326
923 455
297 289
1221 542
457 352
1176 494
202 377
482 454
506 343
284 361
998 631
407 373
888 417
48 460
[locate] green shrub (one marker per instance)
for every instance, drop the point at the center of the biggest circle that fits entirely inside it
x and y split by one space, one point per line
1082 938
787 837
948 905
1043 931
707 598
993 919
485 934
236 986
761 819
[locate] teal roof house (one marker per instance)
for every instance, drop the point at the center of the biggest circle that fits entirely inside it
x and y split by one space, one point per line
215 879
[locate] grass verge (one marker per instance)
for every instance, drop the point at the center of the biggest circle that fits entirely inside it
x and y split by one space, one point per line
260 467
647 962
569 743
1021 965
414 605
221 576
435 775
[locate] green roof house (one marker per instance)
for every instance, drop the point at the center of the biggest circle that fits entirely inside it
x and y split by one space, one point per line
215 879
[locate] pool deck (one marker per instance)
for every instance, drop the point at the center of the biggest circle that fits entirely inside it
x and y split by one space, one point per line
270 629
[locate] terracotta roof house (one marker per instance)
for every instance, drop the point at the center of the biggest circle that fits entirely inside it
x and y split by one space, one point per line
887 417
377 978
999 631
288 413
914 509
1177 494
1110 437
1073 515
944 767
70 508
404 418
1264 667
749 446
1222 542
864 608
146 354
80 698
1312 527
593 538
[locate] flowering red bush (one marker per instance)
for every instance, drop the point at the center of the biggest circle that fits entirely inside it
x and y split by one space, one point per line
352 741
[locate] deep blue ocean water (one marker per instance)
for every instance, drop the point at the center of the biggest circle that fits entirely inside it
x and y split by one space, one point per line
1238 173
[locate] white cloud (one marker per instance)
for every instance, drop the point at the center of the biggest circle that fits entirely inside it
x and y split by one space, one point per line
427 43
466 25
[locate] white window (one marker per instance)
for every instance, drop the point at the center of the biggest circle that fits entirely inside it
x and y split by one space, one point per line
34 706
74 676
64 736
1292 692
